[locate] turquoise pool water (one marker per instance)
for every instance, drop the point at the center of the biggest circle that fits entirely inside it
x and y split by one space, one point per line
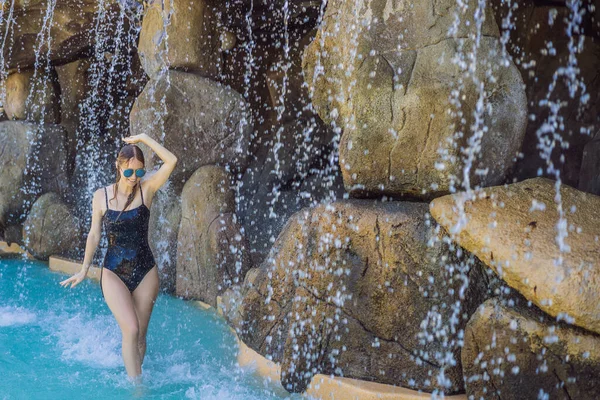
58 343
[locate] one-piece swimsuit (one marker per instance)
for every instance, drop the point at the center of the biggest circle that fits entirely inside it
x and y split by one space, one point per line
128 254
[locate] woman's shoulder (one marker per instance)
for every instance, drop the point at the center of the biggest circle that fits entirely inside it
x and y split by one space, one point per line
103 190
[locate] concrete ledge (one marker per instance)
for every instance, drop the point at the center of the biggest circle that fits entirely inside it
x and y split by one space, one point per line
250 358
13 250
62 264
201 304
328 388
206 306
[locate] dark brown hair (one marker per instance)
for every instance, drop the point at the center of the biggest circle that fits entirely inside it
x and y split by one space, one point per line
128 152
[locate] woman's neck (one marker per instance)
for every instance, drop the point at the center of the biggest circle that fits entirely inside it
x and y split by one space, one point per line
125 189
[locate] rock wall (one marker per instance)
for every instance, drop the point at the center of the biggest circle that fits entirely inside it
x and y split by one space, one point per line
518 352
392 95
364 290
548 43
279 112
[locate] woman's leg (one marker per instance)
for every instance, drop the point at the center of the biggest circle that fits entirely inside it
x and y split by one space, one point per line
119 300
144 297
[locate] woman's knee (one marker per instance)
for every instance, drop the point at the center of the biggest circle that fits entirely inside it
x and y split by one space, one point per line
131 330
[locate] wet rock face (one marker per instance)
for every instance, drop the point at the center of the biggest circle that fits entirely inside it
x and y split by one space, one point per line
360 289
390 92
20 143
211 252
72 35
205 122
538 42
589 176
33 95
190 41
267 17
165 217
518 353
291 172
517 231
50 228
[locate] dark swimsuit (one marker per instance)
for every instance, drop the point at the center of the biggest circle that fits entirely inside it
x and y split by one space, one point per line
128 254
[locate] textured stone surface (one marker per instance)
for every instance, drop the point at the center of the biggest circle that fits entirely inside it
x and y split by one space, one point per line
513 230
539 44
165 217
389 93
43 148
589 176
353 288
210 246
50 228
40 103
269 18
289 173
72 33
205 122
180 35
515 353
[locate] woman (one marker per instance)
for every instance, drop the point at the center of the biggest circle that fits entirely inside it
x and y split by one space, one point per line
129 276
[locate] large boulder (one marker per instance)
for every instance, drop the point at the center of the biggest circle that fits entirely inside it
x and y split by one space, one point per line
50 228
211 252
63 32
32 161
551 258
180 35
360 289
201 121
513 353
391 81
33 95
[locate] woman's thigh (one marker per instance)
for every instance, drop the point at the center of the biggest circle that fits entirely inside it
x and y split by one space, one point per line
119 301
144 297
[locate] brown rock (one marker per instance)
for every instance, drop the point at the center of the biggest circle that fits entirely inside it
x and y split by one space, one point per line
179 35
71 35
518 353
540 47
165 217
37 150
210 244
50 228
386 80
362 289
513 230
40 103
206 122
269 18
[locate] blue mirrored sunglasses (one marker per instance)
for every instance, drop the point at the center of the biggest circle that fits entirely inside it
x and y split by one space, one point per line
138 172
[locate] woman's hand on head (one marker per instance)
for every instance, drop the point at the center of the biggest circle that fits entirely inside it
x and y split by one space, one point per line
135 138
74 280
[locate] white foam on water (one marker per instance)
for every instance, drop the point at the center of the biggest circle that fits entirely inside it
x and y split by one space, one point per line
16 316
93 342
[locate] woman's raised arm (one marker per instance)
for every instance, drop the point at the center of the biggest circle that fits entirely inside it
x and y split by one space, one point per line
159 178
